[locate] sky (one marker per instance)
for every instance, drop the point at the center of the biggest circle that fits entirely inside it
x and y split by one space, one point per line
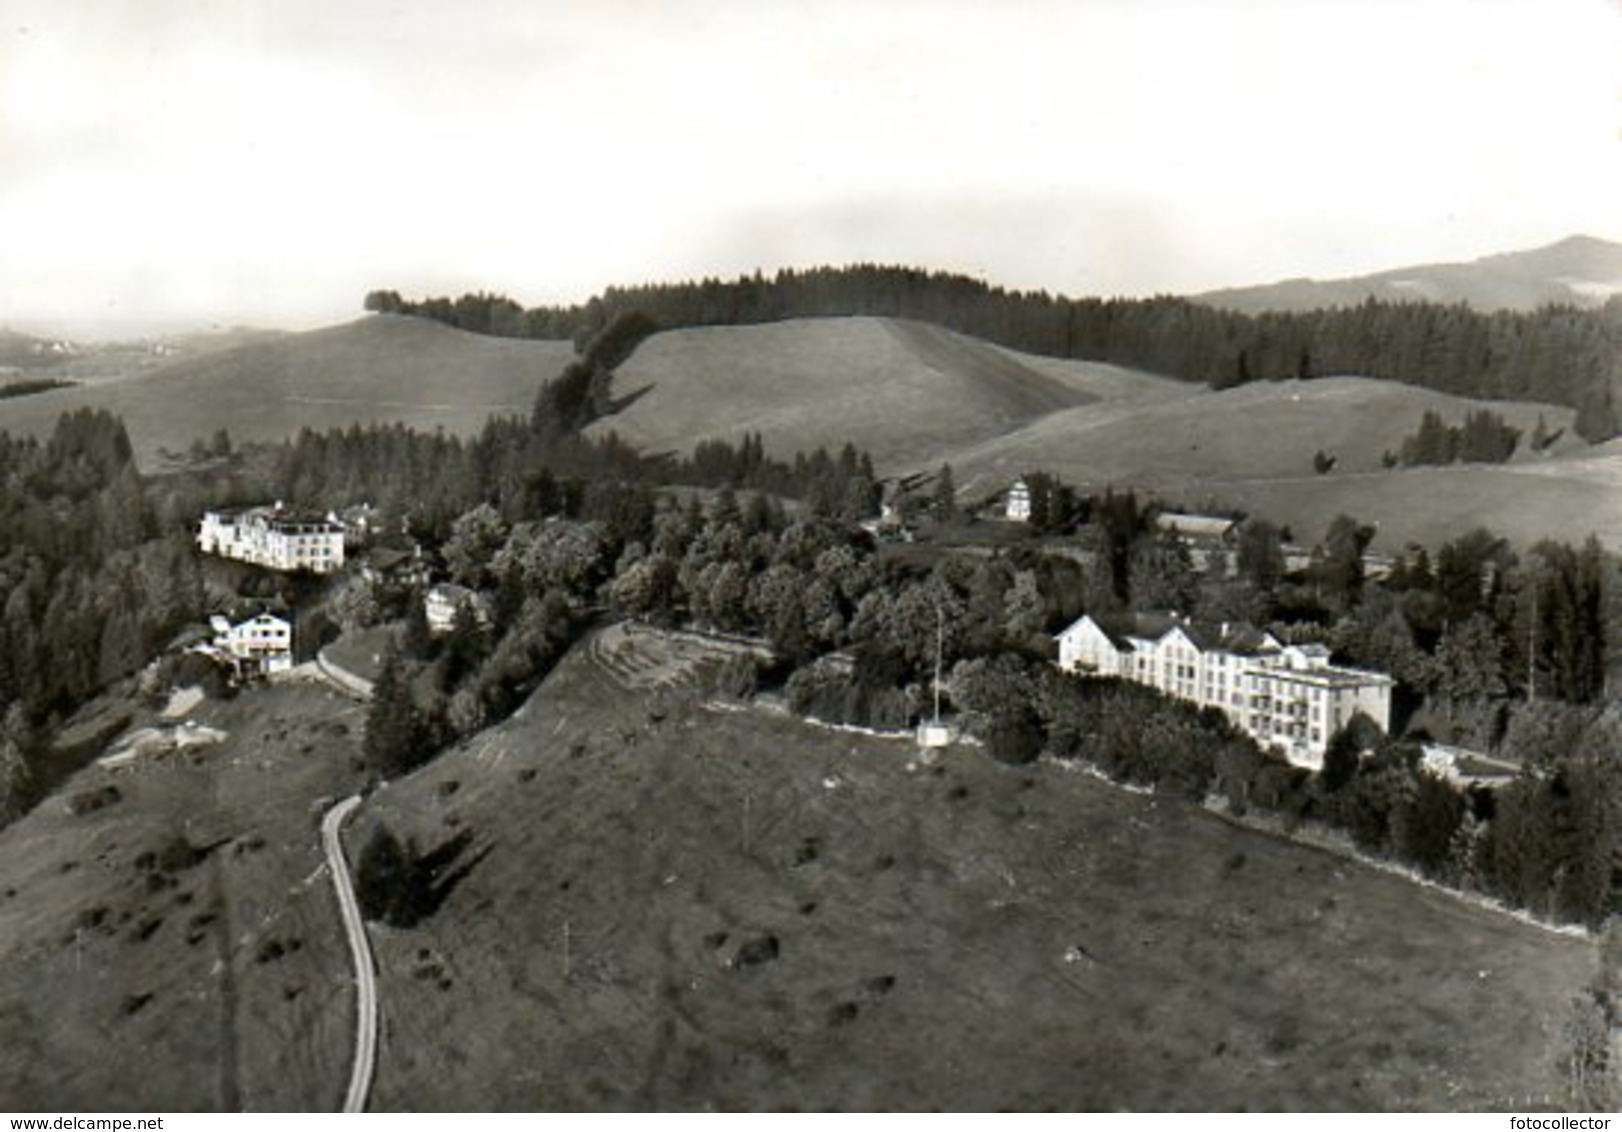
166 163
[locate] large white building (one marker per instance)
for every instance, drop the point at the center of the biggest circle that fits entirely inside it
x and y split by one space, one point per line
262 644
1286 696
274 537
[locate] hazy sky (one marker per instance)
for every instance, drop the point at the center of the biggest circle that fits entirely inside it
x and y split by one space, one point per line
271 160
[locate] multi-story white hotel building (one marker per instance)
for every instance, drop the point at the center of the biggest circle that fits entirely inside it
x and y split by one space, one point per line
274 537
1286 696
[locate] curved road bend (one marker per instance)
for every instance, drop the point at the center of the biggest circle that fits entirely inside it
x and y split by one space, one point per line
360 1077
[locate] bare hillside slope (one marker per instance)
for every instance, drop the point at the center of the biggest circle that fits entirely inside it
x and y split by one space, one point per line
382 368
675 907
903 391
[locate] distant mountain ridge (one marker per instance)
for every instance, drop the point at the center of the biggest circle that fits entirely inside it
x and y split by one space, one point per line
1580 271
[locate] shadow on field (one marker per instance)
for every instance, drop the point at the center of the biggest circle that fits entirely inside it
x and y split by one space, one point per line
440 873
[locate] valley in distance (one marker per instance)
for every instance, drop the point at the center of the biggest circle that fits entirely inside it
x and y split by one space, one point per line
856 688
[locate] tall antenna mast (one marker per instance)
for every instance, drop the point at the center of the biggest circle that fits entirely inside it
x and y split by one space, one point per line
1532 648
940 635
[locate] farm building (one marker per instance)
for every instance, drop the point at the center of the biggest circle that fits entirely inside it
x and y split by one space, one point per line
1288 696
395 566
1209 539
274 537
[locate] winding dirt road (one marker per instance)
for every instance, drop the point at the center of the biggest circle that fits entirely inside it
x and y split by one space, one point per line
360 1077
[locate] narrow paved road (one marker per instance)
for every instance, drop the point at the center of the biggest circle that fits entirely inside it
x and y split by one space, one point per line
360 1078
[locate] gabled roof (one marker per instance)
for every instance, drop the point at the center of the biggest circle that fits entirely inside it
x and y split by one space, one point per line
391 557
1123 629
453 594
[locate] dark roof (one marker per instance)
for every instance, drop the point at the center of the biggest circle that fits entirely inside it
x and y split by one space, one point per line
1235 636
389 557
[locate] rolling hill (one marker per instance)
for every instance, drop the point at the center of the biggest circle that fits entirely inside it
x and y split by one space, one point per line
1252 447
381 368
903 391
916 396
911 394
1580 271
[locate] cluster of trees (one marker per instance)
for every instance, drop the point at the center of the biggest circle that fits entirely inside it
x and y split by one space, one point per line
1131 562
1565 355
93 583
1480 628
1554 836
581 393
1484 438
433 691
401 885
842 486
425 481
27 386
809 585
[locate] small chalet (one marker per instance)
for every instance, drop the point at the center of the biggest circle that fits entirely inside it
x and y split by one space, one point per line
397 566
259 646
362 522
446 599
1017 504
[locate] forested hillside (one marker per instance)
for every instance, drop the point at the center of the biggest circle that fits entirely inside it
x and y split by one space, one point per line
1556 354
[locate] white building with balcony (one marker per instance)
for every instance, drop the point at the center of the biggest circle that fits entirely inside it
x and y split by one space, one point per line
261 645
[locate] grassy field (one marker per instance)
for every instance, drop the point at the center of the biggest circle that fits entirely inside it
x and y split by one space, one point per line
179 948
1253 447
381 368
673 906
1567 499
1254 431
903 391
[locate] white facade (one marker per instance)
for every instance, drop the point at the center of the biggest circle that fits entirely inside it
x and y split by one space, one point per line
442 601
1289 697
275 538
1018 506
261 644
